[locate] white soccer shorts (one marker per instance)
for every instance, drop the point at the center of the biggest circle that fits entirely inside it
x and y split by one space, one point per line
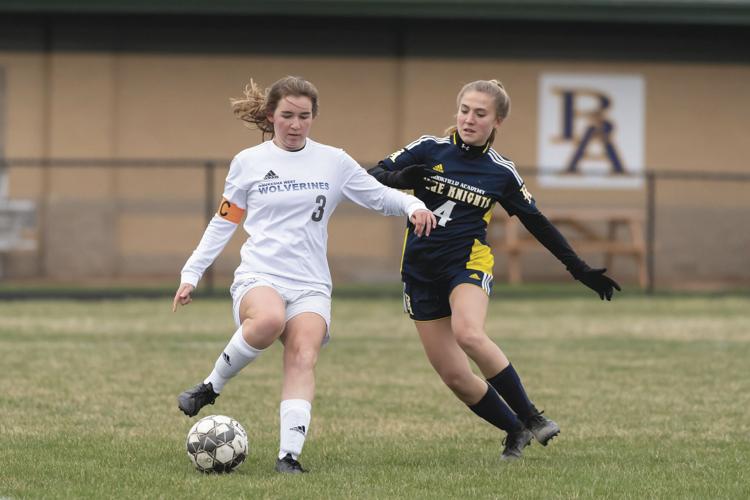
295 301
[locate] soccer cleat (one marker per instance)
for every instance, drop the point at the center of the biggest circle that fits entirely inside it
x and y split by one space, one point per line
514 443
288 465
192 400
542 428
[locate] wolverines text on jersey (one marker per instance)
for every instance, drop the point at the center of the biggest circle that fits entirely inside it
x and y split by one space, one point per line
288 198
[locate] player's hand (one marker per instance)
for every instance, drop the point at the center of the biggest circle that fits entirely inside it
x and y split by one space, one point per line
424 222
182 296
411 177
414 177
598 282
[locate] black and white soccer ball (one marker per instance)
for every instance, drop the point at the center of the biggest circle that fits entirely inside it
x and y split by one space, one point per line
217 443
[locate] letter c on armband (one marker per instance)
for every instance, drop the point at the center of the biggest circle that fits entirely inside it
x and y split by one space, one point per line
230 212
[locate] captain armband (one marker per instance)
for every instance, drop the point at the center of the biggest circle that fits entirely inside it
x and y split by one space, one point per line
230 211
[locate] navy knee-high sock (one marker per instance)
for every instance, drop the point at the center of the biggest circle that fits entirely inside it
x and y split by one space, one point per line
495 411
508 384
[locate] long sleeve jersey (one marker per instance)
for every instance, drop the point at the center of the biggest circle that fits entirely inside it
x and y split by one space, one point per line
466 183
288 198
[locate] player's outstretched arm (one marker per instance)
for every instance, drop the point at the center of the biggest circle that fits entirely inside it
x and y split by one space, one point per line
411 177
182 296
548 235
519 202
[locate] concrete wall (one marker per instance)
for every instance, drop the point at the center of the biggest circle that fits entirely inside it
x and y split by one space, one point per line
129 223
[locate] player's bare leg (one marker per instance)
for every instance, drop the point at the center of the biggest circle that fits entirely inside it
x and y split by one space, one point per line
262 315
469 310
469 305
451 363
302 339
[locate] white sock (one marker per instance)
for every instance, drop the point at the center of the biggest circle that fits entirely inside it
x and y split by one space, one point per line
236 356
295 424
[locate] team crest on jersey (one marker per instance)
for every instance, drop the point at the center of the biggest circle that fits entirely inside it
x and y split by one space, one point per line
439 168
526 194
395 155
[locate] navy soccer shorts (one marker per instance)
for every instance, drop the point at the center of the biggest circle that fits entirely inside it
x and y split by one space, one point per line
428 301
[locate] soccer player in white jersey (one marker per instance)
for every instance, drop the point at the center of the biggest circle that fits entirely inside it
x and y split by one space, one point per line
288 187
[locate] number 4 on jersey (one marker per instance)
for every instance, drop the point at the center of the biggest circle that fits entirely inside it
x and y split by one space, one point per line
443 212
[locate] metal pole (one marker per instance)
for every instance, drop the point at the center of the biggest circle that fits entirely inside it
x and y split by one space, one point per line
650 230
46 182
210 209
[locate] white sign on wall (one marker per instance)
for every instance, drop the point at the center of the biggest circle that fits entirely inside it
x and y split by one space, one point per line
591 130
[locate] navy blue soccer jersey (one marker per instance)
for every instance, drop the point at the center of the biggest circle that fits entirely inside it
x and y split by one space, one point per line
468 181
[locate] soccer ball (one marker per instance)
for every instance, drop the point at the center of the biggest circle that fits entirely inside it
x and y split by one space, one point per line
216 444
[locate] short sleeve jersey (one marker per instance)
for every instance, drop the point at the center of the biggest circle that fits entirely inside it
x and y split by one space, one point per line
469 180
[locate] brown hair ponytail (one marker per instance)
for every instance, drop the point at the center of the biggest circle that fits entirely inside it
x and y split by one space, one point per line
257 104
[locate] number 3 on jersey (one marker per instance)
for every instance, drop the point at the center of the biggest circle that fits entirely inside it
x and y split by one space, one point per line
317 215
443 212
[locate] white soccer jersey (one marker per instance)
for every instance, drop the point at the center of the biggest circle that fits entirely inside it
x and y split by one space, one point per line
288 198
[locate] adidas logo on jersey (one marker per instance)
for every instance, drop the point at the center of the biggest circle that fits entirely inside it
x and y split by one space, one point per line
438 168
299 428
474 276
270 175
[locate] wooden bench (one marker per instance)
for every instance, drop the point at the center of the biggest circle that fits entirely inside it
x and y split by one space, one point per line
588 230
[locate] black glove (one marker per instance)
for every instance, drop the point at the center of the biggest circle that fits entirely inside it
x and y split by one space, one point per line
598 282
411 177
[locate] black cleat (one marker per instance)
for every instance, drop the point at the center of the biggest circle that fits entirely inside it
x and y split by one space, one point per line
192 400
514 443
288 465
542 428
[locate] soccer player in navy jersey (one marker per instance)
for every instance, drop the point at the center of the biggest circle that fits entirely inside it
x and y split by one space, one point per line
448 277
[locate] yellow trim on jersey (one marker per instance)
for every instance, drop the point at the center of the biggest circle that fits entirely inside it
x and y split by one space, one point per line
403 250
230 212
428 320
481 258
488 214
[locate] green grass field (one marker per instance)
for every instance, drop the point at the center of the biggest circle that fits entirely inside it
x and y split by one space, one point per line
652 395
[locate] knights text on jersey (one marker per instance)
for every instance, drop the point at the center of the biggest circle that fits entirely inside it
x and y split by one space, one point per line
468 182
